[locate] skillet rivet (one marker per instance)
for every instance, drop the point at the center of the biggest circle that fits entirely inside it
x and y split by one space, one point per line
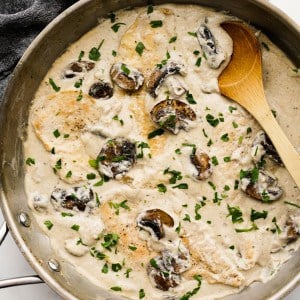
24 219
54 265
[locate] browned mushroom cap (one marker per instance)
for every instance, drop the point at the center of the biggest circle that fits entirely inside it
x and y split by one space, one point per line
116 157
101 89
126 77
292 229
158 76
76 67
262 146
172 115
161 277
202 163
153 220
264 188
74 197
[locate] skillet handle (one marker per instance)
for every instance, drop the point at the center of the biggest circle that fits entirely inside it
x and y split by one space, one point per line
18 280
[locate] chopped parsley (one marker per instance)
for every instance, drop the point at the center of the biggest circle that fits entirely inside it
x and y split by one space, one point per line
80 242
227 159
79 97
142 146
142 294
75 227
190 145
189 98
69 174
116 26
90 176
197 215
176 175
193 292
156 132
114 53
65 214
198 62
164 61
56 133
116 118
225 137
105 268
116 267
66 135
257 214
181 186
235 213
30 161
48 224
236 184
156 23
153 263
194 34
204 133
249 130
187 218
110 240
209 143
78 83
251 174
235 125
178 228
277 228
127 272
231 108
211 120
161 188
54 86
212 185
252 228
226 188
217 199
80 56
196 52
125 69
149 9
117 206
97 254
140 48
58 164
116 288
132 247
172 39
94 53
231 247
274 112
178 151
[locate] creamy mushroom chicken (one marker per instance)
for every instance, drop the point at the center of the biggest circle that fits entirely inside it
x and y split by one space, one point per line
144 177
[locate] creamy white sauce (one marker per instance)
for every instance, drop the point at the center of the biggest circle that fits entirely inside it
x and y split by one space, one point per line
255 255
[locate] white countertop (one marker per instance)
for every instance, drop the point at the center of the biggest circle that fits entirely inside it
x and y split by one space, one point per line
13 264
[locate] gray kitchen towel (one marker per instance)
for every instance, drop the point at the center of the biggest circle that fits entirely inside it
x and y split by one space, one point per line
20 22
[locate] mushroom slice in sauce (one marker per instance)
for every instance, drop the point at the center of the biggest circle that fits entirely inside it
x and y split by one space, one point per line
126 77
75 197
176 263
209 47
292 229
161 277
116 157
262 146
153 220
101 89
172 115
265 188
202 163
158 76
76 67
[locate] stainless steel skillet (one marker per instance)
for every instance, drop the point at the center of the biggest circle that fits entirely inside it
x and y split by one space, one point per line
50 44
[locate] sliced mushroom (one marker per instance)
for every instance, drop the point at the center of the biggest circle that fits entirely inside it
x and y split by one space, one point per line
176 262
75 197
265 188
161 277
209 47
101 89
292 229
153 220
126 77
158 76
262 146
172 115
202 163
116 157
76 67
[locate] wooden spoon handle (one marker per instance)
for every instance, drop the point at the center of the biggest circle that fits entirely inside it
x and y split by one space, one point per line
285 149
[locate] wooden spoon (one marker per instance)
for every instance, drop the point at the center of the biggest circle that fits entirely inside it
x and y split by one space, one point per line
242 81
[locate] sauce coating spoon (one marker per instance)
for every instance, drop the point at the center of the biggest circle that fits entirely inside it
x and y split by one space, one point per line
242 81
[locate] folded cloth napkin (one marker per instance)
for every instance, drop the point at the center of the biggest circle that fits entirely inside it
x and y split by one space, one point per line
20 22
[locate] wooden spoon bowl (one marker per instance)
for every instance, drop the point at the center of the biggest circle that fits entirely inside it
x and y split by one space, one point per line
242 81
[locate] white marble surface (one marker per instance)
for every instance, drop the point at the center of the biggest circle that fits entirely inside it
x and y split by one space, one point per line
12 263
